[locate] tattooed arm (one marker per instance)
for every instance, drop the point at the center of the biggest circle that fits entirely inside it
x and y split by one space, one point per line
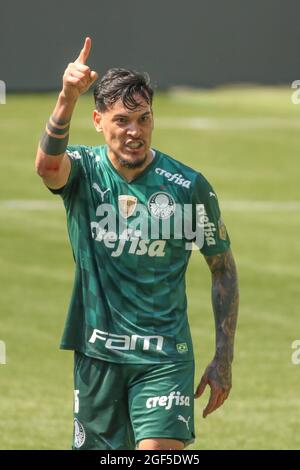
225 300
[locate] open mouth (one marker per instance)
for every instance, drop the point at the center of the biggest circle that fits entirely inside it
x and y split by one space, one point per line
134 144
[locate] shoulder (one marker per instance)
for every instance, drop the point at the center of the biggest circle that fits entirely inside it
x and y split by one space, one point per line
84 154
181 174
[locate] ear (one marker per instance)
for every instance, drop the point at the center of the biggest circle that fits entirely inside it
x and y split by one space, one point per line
97 116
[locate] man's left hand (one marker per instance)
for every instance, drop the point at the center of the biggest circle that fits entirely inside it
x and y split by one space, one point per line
218 378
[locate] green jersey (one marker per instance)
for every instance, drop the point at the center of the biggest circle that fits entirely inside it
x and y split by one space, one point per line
131 243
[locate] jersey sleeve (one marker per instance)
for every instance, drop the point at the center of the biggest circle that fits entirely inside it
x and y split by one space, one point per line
76 156
213 238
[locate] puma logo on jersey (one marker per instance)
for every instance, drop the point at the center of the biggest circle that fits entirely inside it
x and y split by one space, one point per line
98 189
186 421
74 155
212 194
174 177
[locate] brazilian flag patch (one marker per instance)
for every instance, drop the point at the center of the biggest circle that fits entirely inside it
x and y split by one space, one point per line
182 348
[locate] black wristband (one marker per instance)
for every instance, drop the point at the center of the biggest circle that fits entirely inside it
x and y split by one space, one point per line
55 139
53 145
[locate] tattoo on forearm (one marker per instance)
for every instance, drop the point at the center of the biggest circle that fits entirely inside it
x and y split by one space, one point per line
225 300
55 139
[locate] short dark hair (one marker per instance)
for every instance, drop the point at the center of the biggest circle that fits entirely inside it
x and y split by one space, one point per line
120 83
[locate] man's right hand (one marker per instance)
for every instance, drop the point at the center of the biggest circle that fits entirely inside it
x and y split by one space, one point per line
78 76
52 162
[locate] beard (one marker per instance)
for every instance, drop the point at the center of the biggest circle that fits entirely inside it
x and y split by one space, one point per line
132 165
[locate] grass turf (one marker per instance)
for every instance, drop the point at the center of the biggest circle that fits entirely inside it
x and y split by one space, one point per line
246 143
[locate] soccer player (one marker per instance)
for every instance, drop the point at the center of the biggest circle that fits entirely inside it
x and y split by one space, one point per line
132 214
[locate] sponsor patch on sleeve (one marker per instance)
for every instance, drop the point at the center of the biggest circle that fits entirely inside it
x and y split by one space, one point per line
222 230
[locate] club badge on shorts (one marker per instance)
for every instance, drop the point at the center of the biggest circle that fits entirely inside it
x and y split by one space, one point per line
161 205
79 434
127 205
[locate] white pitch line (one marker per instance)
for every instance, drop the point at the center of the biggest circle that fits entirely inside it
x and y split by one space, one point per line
30 204
235 206
261 206
227 123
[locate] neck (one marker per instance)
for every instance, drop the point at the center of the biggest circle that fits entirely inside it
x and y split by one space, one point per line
129 173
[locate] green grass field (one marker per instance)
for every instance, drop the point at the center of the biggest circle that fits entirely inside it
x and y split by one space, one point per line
246 142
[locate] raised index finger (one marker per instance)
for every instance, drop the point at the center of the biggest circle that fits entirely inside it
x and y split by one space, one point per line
85 51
